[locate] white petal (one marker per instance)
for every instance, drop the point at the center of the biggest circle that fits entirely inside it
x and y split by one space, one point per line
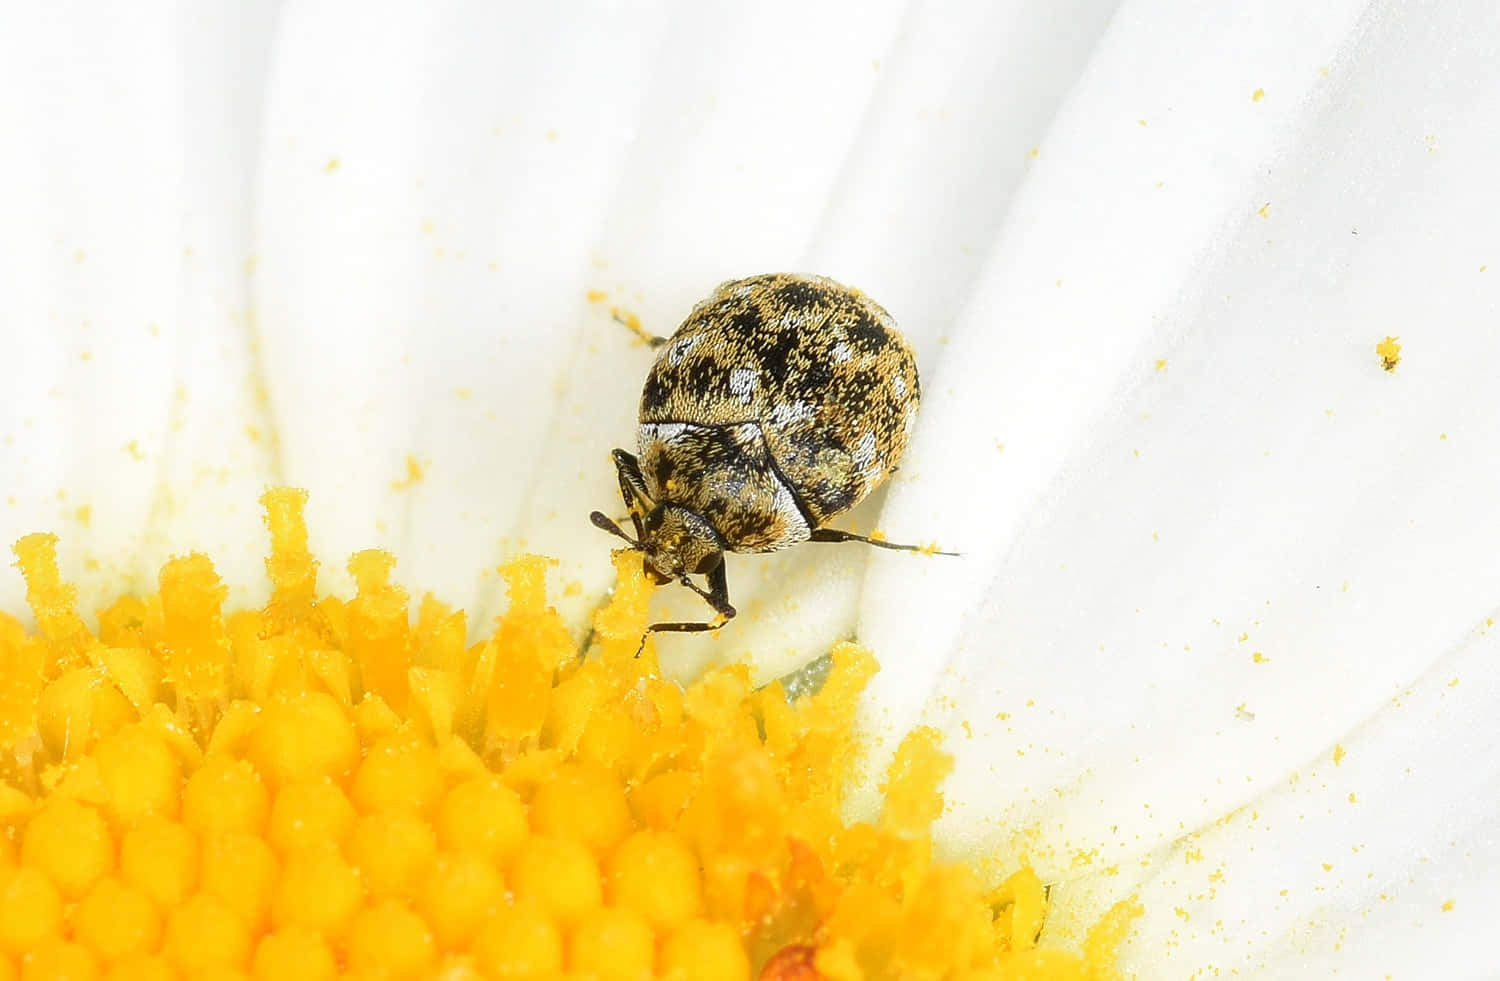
1143 534
432 192
1386 862
129 421
731 173
946 137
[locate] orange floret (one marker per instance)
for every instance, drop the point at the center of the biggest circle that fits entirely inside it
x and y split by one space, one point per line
326 786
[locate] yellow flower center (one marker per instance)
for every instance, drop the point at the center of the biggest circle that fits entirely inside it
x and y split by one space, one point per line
328 786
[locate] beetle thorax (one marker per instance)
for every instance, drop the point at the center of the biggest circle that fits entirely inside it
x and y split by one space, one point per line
677 541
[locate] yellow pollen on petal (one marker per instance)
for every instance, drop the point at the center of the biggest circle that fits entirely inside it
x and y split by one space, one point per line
1389 352
330 787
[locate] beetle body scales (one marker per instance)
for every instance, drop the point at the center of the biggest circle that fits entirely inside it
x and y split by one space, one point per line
780 403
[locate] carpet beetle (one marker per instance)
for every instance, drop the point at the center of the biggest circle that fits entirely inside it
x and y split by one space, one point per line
778 405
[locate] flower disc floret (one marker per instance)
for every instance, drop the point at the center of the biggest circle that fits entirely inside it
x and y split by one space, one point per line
326 786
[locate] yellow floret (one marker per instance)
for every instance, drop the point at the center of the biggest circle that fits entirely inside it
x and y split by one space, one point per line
559 875
70 844
482 815
31 910
161 858
225 794
58 960
116 920
203 933
318 889
393 851
458 895
1022 902
613 945
398 772
195 651
583 802
389 938
520 942
240 870
304 737
703 951
142 967
655 874
329 788
293 954
309 812
140 773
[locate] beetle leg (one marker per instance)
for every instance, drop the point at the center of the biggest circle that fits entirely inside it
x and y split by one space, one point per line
632 487
717 596
835 535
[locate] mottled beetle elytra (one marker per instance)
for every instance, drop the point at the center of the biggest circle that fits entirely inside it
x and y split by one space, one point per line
780 403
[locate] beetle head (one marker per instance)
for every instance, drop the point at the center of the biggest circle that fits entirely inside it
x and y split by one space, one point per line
677 541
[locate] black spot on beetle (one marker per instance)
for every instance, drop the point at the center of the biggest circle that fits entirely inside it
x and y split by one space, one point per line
798 295
704 375
865 381
815 375
654 395
746 322
775 354
662 470
868 335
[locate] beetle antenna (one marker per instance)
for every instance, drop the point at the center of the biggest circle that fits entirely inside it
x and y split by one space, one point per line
604 523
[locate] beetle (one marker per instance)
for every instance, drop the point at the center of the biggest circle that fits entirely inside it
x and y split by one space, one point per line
780 403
